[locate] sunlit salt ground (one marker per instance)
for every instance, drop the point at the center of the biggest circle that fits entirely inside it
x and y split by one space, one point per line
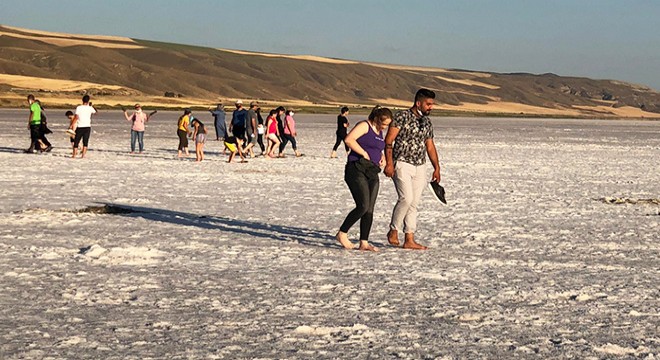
535 256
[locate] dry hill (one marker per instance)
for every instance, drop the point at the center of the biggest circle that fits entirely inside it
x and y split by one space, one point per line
60 66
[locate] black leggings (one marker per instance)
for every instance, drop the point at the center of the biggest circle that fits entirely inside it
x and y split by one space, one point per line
340 138
260 140
285 139
183 139
364 188
36 134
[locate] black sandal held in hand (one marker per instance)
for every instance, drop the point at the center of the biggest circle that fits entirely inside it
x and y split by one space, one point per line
438 191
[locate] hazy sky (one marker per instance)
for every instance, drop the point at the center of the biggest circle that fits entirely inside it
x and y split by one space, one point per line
604 39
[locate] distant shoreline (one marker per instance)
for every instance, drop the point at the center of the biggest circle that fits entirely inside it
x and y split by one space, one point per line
364 110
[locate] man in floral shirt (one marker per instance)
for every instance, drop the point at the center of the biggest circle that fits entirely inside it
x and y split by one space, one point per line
411 133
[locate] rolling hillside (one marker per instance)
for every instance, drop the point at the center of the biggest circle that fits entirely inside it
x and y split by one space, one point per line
61 66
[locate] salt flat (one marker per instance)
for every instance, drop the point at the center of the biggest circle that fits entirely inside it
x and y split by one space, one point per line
216 260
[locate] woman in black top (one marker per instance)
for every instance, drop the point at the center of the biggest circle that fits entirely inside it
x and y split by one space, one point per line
342 129
261 131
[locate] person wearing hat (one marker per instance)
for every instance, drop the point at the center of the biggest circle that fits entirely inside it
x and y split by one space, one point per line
183 130
238 122
138 120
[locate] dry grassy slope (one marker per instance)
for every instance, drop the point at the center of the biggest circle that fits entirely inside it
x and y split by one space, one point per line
154 68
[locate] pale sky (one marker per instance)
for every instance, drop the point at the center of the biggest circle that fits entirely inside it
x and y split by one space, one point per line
602 39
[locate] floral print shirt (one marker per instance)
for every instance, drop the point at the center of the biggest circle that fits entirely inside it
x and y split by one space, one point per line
410 143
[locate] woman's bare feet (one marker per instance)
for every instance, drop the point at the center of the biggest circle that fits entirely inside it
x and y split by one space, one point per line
365 246
393 237
342 237
410 243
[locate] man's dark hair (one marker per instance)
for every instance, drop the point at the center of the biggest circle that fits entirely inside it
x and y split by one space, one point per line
344 109
424 94
68 113
85 99
30 97
280 108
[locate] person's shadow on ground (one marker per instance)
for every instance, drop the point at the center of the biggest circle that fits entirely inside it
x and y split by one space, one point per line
12 150
241 227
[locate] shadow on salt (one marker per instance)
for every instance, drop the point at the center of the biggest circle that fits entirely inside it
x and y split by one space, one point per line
300 235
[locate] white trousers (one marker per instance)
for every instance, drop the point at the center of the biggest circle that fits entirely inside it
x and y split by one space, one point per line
409 181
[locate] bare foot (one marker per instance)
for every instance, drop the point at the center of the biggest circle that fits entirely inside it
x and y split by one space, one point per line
393 237
342 237
410 243
365 246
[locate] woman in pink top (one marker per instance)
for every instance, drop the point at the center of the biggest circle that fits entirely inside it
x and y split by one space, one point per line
139 119
272 134
289 134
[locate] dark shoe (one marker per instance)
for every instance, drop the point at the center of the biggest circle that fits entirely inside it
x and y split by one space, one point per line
438 191
48 148
30 151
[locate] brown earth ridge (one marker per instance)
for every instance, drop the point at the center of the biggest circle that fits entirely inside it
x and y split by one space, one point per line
59 67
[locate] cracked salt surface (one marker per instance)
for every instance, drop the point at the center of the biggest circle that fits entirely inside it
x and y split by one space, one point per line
219 260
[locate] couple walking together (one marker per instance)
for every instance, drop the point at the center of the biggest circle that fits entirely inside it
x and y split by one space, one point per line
409 139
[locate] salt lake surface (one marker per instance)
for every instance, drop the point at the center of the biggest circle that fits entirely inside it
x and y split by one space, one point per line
215 260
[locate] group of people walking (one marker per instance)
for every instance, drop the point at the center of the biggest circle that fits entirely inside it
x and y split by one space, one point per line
247 129
402 153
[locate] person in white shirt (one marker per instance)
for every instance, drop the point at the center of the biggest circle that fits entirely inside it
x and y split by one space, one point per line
82 123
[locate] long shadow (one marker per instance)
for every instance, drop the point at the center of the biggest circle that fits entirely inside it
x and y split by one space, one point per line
207 151
12 150
241 227
152 154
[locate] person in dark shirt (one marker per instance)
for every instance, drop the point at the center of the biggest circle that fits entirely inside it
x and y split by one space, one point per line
238 125
280 128
261 130
342 130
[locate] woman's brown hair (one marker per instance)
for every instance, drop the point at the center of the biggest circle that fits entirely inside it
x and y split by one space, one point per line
379 114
